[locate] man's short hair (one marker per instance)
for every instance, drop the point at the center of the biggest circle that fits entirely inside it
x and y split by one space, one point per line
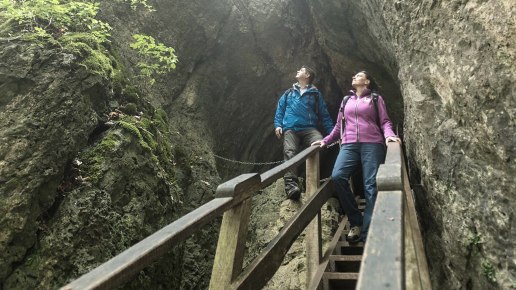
310 72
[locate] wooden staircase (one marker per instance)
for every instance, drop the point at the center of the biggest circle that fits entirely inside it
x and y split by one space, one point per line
341 263
400 264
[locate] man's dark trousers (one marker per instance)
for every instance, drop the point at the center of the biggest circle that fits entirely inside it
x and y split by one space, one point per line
293 141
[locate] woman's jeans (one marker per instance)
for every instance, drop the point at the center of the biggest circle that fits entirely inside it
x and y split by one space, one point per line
369 156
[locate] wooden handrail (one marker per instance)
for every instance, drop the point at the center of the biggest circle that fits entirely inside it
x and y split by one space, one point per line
273 174
383 256
389 174
122 267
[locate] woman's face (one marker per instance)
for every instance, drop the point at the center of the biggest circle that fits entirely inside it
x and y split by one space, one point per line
360 79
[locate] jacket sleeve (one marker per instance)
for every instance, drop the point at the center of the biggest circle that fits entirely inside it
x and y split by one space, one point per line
324 116
385 121
280 112
335 133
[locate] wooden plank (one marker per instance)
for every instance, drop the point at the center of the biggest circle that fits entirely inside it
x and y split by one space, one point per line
341 281
122 267
263 267
344 243
340 276
383 253
229 256
313 238
389 173
240 187
412 279
346 258
272 175
414 237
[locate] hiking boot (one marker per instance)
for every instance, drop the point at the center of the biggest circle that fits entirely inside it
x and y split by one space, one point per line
354 235
291 188
293 192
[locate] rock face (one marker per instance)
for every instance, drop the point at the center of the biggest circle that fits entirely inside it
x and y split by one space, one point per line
446 68
457 64
47 116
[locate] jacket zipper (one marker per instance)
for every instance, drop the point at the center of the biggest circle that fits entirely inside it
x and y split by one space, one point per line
356 118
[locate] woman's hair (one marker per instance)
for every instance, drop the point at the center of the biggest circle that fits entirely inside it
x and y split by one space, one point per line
310 72
373 86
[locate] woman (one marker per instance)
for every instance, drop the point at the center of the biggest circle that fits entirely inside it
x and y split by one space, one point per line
362 145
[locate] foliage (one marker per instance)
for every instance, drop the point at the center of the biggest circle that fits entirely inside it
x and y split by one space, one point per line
95 57
69 24
73 26
489 271
157 58
135 131
143 3
55 17
474 240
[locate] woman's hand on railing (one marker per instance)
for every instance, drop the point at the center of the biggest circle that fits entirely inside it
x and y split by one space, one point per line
319 143
392 139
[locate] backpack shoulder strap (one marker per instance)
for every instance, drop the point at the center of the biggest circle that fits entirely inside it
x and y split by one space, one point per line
374 96
343 122
286 94
344 101
316 98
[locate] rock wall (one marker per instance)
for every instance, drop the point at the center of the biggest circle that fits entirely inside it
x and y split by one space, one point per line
90 165
446 69
456 63
47 116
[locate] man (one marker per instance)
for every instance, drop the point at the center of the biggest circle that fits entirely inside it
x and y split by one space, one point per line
298 112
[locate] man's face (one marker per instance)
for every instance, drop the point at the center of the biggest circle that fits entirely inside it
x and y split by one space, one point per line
302 74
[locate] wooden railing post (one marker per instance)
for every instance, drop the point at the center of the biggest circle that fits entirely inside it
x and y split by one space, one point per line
233 230
313 230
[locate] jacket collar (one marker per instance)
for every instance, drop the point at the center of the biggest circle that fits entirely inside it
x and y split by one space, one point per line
367 93
310 87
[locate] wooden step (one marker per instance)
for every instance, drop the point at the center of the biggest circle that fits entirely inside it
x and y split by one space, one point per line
340 264
341 276
344 263
334 281
346 258
344 248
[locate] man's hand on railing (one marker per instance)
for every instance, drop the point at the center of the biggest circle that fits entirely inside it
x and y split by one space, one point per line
392 139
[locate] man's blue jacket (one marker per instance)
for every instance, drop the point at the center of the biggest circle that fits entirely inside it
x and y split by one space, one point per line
298 112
